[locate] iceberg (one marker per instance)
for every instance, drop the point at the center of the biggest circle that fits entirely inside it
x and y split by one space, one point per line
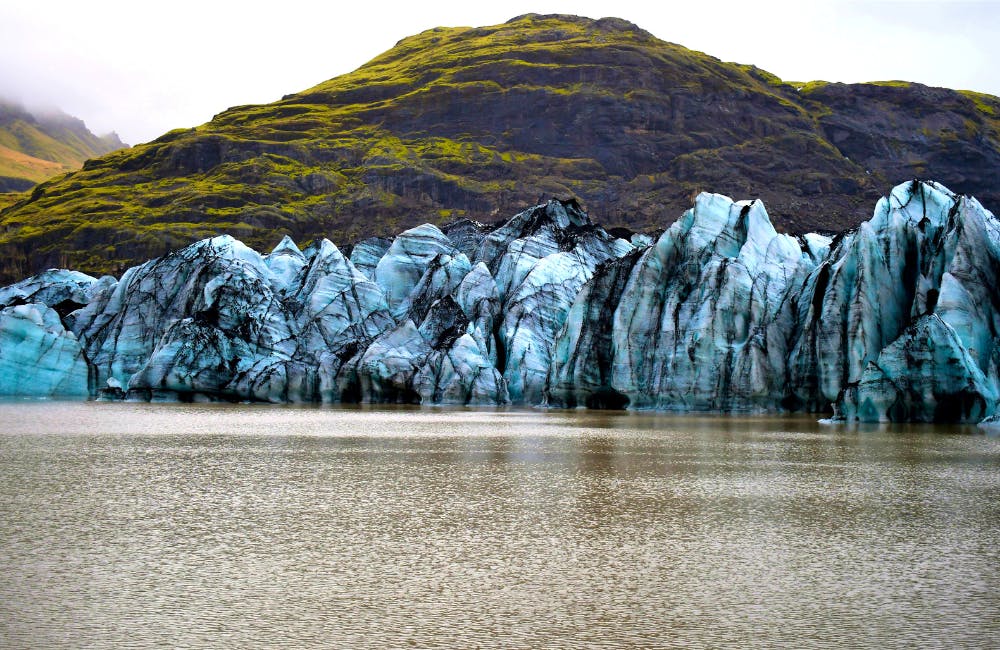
38 357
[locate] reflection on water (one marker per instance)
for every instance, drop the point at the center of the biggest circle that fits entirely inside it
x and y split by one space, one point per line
250 526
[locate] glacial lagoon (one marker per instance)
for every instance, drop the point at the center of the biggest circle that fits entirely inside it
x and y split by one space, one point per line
176 525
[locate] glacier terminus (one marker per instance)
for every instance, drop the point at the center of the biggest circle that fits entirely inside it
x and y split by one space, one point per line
896 320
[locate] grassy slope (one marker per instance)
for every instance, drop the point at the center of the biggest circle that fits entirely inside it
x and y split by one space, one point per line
16 164
9 198
461 121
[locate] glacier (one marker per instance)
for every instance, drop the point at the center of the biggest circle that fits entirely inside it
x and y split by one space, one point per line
896 320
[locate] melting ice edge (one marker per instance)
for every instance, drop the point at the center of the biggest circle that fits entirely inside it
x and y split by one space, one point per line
897 320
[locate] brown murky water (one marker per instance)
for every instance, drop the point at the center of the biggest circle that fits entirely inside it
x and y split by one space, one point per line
246 526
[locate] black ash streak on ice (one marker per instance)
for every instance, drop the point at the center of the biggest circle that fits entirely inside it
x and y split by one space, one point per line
897 320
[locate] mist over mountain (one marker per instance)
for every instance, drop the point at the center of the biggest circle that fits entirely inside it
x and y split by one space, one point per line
483 122
39 143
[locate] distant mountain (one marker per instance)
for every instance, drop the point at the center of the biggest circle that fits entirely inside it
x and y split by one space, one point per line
37 145
482 122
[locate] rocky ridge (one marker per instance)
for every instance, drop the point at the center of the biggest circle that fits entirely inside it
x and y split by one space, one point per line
896 320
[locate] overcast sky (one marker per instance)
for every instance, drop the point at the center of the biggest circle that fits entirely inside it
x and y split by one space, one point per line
142 68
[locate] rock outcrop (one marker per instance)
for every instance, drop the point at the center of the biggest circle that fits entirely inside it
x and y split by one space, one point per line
897 320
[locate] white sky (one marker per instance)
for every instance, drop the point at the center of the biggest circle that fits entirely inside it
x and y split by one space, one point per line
142 68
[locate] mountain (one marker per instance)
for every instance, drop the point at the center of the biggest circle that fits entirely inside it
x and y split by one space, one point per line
895 321
35 146
482 122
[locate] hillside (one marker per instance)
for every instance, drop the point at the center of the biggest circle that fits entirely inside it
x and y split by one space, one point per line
481 122
34 147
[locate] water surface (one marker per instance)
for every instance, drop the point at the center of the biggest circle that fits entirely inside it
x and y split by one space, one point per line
254 526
